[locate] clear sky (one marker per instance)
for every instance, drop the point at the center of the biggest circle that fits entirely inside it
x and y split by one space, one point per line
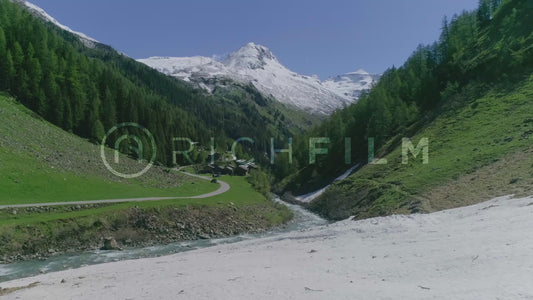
310 37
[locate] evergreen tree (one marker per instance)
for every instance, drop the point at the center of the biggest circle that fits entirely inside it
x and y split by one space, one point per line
484 12
494 5
19 81
34 72
10 70
97 131
4 72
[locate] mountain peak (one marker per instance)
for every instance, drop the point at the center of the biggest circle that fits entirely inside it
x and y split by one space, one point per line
251 46
359 72
251 55
255 64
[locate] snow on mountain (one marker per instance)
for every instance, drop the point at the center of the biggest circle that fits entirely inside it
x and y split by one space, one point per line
187 68
351 84
256 64
39 12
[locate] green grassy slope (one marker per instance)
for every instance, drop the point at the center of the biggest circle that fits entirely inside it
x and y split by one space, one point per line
478 149
41 163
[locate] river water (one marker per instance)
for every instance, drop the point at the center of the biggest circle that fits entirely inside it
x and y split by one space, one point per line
302 220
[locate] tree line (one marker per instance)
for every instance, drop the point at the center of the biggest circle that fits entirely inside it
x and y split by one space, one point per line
87 91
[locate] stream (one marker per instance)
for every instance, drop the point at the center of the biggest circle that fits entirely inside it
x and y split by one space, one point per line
302 220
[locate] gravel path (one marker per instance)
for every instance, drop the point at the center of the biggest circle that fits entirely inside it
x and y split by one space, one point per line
224 187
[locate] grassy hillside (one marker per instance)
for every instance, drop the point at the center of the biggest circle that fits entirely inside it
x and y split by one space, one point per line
42 163
478 148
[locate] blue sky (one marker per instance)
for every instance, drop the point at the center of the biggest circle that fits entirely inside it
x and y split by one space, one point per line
310 37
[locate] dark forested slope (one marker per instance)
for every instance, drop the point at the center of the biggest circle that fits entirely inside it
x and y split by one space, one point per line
89 90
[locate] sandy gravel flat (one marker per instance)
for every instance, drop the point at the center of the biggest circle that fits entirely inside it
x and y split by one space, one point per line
483 251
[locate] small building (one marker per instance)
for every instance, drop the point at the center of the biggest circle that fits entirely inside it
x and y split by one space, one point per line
241 170
207 169
218 169
241 162
228 170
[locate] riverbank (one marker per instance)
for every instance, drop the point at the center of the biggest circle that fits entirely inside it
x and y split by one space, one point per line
302 220
134 227
477 252
41 232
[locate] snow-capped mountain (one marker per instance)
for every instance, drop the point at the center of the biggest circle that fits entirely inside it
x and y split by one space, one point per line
253 64
351 84
39 12
256 64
